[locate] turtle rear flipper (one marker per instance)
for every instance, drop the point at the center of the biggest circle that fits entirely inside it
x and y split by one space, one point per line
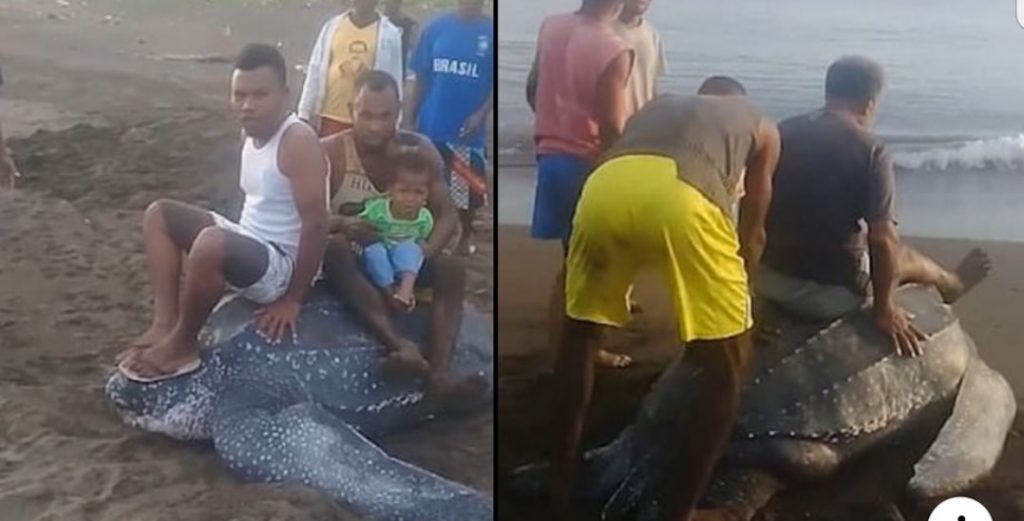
268 431
971 440
739 492
604 468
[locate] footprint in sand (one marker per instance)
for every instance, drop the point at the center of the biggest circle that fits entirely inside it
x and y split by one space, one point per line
95 482
17 376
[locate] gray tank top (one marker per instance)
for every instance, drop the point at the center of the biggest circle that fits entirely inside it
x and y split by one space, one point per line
710 138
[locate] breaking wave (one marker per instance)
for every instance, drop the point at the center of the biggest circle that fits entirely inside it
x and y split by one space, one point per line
928 153
1002 153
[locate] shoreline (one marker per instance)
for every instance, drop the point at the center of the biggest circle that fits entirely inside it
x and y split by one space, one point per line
929 204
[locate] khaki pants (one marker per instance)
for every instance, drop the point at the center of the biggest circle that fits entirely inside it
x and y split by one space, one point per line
807 298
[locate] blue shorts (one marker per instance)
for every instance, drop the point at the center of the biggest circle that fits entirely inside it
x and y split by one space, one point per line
560 179
385 263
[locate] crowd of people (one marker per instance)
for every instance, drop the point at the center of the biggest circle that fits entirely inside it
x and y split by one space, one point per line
728 205
365 184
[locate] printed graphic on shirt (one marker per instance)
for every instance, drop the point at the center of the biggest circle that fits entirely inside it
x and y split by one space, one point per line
456 67
482 43
358 60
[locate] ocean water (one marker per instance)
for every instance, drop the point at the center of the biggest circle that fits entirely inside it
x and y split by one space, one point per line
953 111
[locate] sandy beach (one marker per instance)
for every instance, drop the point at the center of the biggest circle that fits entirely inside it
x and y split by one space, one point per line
110 105
990 314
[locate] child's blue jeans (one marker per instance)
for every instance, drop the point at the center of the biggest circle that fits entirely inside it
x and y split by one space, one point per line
385 263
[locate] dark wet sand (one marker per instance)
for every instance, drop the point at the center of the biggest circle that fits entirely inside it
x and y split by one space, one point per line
526 269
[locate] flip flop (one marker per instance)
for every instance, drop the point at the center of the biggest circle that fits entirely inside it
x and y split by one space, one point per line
188 368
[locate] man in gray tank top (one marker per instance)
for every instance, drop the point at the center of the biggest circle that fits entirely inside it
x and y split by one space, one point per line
262 259
662 198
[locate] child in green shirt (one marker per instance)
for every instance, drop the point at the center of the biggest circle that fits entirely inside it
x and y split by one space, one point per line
403 222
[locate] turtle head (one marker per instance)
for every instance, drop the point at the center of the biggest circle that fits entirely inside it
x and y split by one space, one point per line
179 407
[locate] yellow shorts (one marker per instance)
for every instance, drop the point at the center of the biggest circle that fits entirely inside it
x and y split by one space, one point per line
635 213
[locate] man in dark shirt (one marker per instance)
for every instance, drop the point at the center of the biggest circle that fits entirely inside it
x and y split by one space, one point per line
833 176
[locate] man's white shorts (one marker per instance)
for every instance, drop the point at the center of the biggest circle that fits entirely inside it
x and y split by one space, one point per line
280 265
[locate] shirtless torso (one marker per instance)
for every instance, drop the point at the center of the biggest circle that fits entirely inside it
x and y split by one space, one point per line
358 173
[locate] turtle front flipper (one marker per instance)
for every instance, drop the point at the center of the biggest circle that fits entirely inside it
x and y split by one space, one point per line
269 431
741 491
972 438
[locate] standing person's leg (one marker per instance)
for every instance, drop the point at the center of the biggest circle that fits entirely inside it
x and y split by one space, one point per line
600 266
556 312
603 357
407 259
458 157
473 165
560 180
341 269
8 170
465 245
574 380
712 413
713 305
168 230
218 257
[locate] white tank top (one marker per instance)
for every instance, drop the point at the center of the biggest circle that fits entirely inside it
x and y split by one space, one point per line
269 211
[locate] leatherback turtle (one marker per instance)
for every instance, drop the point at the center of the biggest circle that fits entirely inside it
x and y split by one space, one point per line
302 410
817 399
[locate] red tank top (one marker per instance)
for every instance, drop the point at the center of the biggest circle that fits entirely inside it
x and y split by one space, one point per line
573 53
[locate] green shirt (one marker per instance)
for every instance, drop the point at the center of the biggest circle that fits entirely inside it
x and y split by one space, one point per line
377 211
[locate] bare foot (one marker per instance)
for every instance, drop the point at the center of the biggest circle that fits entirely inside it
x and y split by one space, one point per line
406 360
406 298
973 269
405 291
144 341
164 358
394 306
612 360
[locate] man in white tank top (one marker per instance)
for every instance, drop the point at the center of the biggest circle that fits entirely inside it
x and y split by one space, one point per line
270 256
362 166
